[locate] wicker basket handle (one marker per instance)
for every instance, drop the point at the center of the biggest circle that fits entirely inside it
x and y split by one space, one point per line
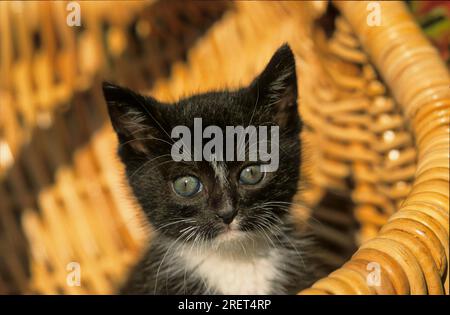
410 255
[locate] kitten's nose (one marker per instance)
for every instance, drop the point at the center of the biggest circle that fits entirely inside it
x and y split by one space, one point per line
227 215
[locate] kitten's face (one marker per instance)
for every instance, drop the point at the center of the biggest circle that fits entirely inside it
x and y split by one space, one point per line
211 201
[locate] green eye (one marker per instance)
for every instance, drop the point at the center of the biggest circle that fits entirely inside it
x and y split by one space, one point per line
187 186
251 175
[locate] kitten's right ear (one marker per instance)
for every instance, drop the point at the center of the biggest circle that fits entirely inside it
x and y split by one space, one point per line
133 116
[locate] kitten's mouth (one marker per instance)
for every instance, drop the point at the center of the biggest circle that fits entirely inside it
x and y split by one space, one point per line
230 232
229 235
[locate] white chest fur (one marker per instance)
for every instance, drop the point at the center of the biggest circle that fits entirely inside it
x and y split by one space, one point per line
250 272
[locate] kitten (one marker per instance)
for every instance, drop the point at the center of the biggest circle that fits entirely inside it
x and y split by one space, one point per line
222 227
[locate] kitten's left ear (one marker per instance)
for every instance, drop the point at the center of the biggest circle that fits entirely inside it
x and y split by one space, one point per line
276 86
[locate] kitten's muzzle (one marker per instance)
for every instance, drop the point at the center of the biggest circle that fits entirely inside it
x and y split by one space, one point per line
227 215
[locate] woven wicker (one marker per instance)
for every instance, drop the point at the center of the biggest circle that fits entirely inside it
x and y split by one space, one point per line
375 101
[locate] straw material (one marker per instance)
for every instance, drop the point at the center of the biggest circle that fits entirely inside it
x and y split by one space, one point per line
375 102
412 248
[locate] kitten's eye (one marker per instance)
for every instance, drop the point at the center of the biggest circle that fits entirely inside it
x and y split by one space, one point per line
251 175
187 186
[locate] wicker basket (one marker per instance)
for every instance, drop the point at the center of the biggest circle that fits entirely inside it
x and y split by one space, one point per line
375 100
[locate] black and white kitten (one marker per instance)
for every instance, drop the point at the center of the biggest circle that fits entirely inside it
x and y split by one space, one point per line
221 227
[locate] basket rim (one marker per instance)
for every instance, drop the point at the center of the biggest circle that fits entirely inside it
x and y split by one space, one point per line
401 240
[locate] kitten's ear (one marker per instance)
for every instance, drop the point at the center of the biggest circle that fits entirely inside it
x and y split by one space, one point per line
133 116
276 86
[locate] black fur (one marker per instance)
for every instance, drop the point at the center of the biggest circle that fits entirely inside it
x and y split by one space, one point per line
143 126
